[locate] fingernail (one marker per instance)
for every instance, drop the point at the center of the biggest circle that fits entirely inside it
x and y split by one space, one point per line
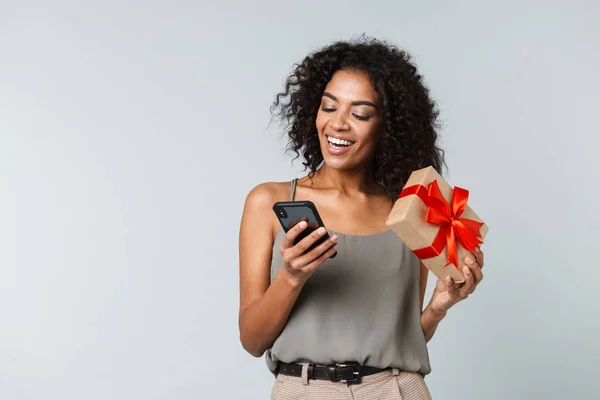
321 230
334 238
469 260
303 224
467 271
477 250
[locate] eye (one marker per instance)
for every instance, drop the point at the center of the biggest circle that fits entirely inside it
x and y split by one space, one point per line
361 118
327 110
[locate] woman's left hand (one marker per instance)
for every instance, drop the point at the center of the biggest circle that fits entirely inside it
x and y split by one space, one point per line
447 294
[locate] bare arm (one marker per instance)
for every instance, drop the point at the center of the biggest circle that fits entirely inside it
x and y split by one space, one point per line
265 306
447 294
430 318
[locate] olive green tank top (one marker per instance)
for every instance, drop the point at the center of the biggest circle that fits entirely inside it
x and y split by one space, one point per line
362 306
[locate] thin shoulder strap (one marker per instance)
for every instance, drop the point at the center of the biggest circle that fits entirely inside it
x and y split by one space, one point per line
293 191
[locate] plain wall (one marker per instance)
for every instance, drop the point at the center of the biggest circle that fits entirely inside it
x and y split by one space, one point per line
131 132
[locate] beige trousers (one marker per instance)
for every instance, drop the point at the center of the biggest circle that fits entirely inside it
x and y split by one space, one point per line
386 385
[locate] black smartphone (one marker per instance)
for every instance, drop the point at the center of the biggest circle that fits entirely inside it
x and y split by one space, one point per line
291 213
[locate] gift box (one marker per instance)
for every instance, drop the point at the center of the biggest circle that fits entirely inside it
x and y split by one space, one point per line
436 223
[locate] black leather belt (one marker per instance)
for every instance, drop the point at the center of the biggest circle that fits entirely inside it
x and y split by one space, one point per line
343 372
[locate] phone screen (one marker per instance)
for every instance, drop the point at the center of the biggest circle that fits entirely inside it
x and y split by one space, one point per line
292 213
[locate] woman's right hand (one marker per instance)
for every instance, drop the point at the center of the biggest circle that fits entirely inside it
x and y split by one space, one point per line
301 265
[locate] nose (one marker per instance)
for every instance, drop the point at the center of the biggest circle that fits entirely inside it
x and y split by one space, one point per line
339 122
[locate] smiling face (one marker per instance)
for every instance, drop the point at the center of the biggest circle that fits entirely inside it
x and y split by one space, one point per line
349 120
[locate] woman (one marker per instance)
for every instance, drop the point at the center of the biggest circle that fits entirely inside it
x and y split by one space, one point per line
352 326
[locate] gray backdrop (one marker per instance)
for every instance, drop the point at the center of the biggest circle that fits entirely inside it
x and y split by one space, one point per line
131 133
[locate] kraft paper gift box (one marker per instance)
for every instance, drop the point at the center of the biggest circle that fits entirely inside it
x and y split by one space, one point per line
436 223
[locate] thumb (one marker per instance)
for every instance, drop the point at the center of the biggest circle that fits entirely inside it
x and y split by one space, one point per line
449 284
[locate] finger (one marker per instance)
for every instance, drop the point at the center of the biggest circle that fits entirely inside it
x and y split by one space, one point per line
290 236
449 283
451 287
477 277
477 274
479 256
475 269
464 291
315 253
322 258
296 221
309 240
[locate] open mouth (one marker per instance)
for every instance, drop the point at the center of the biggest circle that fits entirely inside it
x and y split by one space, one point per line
338 143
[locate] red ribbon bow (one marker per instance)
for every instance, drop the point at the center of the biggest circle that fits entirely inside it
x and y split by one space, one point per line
452 226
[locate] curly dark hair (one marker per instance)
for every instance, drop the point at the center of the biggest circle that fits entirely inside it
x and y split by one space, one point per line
408 113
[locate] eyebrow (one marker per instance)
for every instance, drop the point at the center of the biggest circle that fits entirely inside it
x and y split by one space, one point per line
354 103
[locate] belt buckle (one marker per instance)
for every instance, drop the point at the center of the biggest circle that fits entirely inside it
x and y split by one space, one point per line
355 373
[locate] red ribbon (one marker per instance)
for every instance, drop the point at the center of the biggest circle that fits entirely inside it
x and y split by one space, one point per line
448 217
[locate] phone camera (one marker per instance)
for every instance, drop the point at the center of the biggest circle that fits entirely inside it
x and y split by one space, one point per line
282 213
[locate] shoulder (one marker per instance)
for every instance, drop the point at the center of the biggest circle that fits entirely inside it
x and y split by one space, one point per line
266 194
257 213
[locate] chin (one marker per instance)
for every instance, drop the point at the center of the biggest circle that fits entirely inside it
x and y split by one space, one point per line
347 162
337 165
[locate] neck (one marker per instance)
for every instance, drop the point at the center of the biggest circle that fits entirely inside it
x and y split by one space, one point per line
359 179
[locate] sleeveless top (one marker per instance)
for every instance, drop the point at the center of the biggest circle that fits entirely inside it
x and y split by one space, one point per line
362 306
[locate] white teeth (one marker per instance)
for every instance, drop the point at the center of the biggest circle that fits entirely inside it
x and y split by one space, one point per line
338 141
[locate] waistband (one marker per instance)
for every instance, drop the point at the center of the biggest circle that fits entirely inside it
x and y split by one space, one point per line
343 372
